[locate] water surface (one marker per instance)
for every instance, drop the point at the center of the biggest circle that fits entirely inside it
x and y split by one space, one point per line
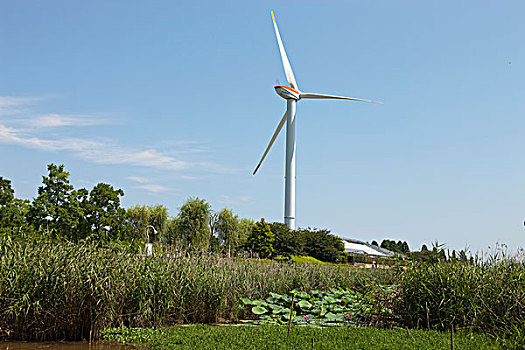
62 346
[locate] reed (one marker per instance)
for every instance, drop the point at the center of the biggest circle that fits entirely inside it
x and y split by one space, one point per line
73 291
485 296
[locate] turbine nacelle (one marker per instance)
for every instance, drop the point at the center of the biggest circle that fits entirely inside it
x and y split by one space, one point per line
287 92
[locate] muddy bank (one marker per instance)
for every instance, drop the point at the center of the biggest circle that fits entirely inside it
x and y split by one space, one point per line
62 346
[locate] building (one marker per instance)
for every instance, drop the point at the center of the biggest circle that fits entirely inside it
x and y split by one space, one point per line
356 247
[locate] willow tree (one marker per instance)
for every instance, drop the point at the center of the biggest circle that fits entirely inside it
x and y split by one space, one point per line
193 223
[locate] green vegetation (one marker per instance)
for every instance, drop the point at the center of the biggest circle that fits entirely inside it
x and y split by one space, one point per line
61 212
69 291
488 297
72 264
398 247
275 337
327 308
261 239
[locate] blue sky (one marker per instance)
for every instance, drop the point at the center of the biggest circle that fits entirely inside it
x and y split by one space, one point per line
171 99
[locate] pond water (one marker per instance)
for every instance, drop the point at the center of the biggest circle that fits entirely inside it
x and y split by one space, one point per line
62 346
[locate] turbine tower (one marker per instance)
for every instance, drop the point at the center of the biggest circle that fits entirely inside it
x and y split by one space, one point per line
292 94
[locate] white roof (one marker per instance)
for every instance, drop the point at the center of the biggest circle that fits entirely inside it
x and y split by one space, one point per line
362 248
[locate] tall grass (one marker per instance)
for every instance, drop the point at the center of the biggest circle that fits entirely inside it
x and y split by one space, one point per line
485 296
73 291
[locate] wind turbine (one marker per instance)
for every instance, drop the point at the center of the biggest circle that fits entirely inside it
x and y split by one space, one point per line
292 94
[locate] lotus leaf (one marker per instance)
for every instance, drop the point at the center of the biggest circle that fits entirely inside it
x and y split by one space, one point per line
276 296
259 310
246 301
304 304
259 303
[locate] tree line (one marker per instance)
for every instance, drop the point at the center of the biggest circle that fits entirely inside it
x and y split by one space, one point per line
61 212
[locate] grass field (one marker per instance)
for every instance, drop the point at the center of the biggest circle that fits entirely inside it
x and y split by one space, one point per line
275 337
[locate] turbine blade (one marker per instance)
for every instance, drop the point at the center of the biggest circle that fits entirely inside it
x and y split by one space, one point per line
286 64
311 95
277 131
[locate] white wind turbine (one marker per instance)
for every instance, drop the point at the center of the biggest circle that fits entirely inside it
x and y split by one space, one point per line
292 94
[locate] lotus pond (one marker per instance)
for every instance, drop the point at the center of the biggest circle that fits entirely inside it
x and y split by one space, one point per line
334 307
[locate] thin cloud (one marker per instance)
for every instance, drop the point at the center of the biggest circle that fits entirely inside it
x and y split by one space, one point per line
227 200
95 151
24 127
189 177
13 105
154 188
54 120
138 179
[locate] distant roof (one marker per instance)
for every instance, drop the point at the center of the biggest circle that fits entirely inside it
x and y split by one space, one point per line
362 248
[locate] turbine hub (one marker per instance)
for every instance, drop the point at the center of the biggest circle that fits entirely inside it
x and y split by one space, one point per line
287 92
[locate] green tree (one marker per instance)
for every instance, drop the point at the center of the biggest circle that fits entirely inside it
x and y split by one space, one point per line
158 218
397 247
287 242
12 210
388 244
227 228
141 218
193 223
261 239
56 207
172 231
322 245
403 247
102 212
244 232
138 218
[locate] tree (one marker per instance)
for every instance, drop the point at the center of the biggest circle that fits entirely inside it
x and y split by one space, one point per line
322 245
12 210
214 240
424 248
103 214
261 239
158 218
56 207
193 223
287 242
403 247
375 243
388 244
172 231
227 228
397 247
244 232
138 218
